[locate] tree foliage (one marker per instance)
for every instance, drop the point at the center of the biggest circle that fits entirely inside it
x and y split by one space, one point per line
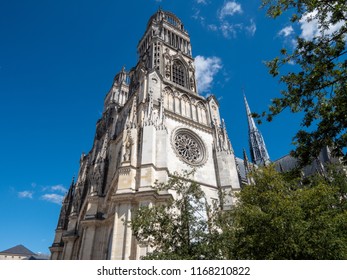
278 217
319 87
178 229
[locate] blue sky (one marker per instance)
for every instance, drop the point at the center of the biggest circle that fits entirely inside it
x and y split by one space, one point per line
58 60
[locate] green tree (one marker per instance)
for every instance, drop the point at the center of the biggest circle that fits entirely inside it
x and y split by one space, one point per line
179 228
277 217
319 87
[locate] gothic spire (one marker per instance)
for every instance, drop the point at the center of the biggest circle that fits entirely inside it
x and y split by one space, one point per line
69 195
246 161
257 146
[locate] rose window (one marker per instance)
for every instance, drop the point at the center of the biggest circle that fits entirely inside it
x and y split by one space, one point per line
189 147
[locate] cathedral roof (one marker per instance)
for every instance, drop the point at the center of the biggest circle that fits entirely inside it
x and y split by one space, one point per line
242 168
288 163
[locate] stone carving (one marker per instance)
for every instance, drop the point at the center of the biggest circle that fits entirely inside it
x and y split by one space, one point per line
167 62
189 147
124 171
131 121
156 31
191 75
76 200
62 218
222 142
127 147
161 117
148 119
190 66
95 179
192 83
167 71
127 152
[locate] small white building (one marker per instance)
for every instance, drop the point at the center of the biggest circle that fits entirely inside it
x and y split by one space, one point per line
18 252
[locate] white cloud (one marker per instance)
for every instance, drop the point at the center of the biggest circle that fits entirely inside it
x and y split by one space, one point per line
288 35
25 194
230 8
293 43
54 193
251 28
55 188
286 31
59 188
311 28
52 197
198 17
206 68
227 29
230 30
212 27
223 25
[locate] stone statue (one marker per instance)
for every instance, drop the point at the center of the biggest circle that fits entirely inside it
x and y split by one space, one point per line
127 153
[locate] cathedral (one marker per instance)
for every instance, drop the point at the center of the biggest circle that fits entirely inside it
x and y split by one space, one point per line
154 123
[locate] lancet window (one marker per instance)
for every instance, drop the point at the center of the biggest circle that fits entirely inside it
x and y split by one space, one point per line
185 105
169 99
202 116
178 73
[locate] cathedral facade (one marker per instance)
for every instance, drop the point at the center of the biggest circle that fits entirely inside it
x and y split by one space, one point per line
154 123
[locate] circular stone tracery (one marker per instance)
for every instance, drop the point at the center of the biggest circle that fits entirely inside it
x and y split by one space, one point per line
189 147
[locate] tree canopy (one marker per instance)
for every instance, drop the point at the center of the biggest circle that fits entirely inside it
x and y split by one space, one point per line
178 229
318 85
278 216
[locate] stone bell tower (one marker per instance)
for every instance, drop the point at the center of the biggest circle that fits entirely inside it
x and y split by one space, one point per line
154 123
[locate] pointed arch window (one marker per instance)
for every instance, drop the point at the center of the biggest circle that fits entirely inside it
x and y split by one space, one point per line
185 106
202 116
178 73
169 99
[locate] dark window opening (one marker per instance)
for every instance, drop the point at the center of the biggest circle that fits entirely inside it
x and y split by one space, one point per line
178 73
